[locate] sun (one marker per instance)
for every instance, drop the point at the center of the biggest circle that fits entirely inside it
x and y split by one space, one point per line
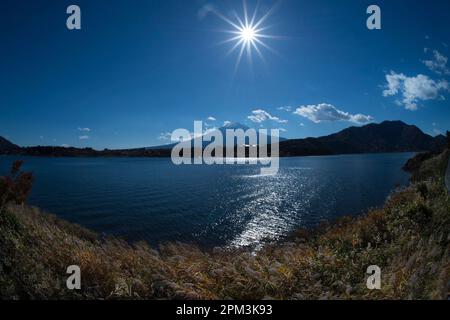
247 33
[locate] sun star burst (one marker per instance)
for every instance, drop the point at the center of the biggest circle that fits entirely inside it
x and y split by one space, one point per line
247 34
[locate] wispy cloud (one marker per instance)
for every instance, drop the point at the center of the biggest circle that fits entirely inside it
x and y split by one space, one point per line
84 129
165 136
438 64
412 90
286 108
260 116
325 112
212 119
85 137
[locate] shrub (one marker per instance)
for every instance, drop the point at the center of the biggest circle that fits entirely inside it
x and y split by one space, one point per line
16 187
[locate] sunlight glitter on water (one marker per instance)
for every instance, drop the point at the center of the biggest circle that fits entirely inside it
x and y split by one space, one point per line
273 208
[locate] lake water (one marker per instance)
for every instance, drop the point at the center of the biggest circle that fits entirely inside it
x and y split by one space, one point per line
153 200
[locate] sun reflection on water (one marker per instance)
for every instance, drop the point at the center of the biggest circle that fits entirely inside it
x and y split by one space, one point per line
272 207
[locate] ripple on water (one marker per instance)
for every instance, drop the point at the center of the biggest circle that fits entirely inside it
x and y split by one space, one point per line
153 200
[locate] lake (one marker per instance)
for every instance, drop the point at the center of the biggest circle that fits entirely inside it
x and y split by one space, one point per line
156 201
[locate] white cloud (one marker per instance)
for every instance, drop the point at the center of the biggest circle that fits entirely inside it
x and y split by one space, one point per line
226 123
84 129
65 146
287 108
438 64
84 137
167 137
212 119
260 116
437 132
327 112
164 136
413 89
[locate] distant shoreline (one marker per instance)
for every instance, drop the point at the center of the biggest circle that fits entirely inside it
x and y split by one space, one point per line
118 156
386 137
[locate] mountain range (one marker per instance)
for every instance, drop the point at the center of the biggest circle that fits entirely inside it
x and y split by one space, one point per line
5 145
388 136
223 132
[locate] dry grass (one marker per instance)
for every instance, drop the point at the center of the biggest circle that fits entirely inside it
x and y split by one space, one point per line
408 238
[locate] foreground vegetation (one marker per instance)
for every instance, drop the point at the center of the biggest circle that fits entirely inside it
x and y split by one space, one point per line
408 238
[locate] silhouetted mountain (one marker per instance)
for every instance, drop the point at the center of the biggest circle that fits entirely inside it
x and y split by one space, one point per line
5 145
389 136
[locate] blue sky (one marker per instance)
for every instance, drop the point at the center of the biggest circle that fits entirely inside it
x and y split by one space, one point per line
139 69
